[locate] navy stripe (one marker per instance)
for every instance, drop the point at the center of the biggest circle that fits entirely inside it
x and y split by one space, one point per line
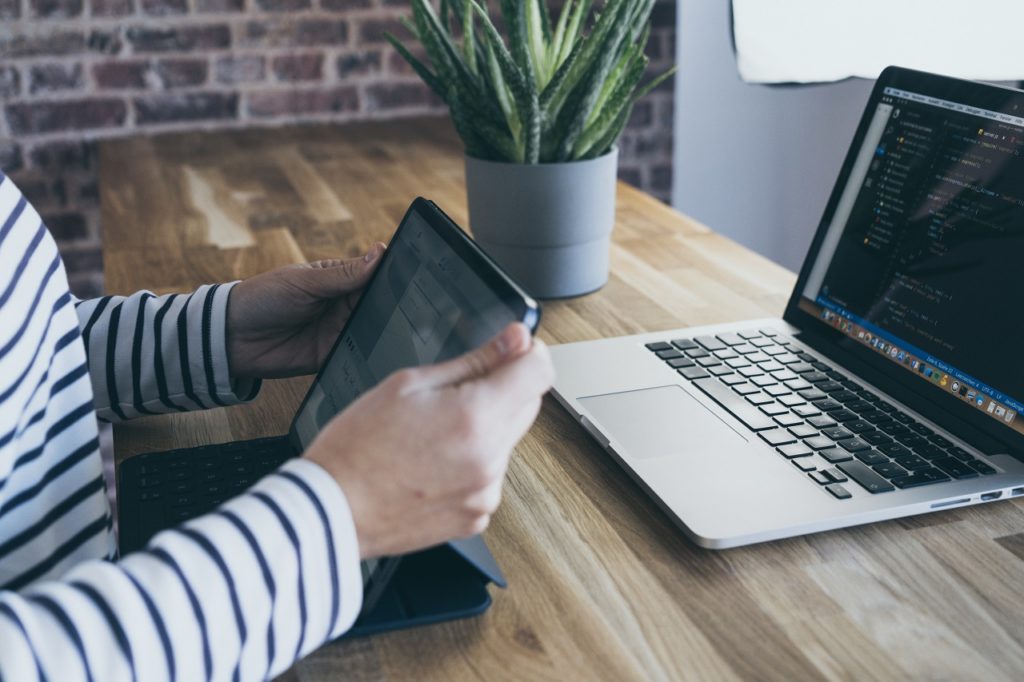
211 383
215 555
55 471
186 370
26 257
19 208
63 341
30 313
140 321
9 612
51 516
87 329
158 623
268 578
93 595
158 355
59 554
166 558
60 615
329 535
294 539
17 431
57 428
112 398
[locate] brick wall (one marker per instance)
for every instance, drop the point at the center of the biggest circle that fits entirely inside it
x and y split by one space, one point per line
75 71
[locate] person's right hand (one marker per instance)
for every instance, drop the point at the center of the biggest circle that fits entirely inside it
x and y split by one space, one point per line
421 457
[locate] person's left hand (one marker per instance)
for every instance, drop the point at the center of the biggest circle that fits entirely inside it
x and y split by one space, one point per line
284 322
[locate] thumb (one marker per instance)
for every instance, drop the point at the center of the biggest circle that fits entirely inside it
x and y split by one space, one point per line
331 278
510 343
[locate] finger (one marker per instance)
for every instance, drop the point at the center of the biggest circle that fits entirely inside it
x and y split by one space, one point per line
507 345
332 278
528 376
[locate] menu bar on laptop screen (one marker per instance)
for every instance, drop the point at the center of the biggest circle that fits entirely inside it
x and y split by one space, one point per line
921 260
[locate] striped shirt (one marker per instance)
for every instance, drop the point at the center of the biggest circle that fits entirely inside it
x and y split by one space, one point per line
238 594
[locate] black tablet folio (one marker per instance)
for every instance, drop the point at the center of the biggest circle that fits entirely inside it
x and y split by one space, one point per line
434 296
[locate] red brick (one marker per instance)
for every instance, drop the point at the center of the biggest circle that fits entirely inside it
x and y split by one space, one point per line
642 115
177 73
372 31
46 44
345 5
111 8
661 178
160 8
86 285
298 67
48 117
63 155
55 77
77 261
105 42
632 176
220 5
10 156
10 9
10 81
664 14
240 69
179 39
282 5
66 226
193 106
385 96
398 65
299 102
56 9
291 33
357 63
120 74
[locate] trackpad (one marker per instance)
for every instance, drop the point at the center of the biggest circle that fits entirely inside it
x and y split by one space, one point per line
655 422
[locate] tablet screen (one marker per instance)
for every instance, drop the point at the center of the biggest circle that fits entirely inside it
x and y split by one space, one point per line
433 297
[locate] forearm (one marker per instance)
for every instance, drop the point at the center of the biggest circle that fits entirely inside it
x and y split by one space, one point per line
241 593
151 354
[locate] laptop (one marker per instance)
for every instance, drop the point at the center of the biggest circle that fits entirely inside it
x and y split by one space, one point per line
893 384
435 295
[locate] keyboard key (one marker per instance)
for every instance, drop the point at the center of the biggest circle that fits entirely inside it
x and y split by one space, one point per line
669 354
834 455
763 381
843 415
697 353
787 359
777 437
941 441
786 376
870 457
894 428
770 366
803 463
710 342
822 421
692 373
922 477
961 454
775 352
875 437
812 394
777 391
867 478
658 346
951 466
836 475
745 349
774 409
827 405
835 432
734 380
791 400
858 426
804 431
819 442
838 491
749 334
808 411
684 344
798 384
709 361
747 389
725 354
830 386
750 372
761 343
758 357
795 450
844 396
889 469
929 451
894 449
814 376
820 478
788 420
759 399
737 363
679 363
771 333
736 405
800 367
731 339
981 467
853 445
721 370
912 462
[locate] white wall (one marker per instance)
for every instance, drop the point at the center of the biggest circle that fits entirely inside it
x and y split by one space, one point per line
754 162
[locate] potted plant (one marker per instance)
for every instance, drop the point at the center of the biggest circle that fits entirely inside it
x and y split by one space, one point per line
539 115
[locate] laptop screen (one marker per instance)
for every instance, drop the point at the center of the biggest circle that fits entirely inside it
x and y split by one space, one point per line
922 261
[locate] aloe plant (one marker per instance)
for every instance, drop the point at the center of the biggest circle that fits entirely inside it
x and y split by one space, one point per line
553 92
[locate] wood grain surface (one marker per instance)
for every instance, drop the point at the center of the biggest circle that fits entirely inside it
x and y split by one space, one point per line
602 586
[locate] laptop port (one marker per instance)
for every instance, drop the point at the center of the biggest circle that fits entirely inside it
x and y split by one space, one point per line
994 495
1014 492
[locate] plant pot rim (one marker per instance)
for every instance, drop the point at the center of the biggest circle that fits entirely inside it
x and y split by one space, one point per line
610 152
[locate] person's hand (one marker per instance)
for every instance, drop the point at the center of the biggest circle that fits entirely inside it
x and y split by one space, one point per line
284 322
421 457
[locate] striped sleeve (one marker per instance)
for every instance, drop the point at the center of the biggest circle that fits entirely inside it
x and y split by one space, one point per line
238 594
151 354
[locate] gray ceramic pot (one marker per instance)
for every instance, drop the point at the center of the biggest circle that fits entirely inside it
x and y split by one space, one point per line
548 225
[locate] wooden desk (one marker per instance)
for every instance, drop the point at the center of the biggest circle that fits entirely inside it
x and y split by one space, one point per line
602 585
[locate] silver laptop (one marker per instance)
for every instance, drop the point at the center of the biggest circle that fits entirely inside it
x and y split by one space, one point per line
894 383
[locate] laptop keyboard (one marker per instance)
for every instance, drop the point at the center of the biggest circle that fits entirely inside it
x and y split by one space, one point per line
828 426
